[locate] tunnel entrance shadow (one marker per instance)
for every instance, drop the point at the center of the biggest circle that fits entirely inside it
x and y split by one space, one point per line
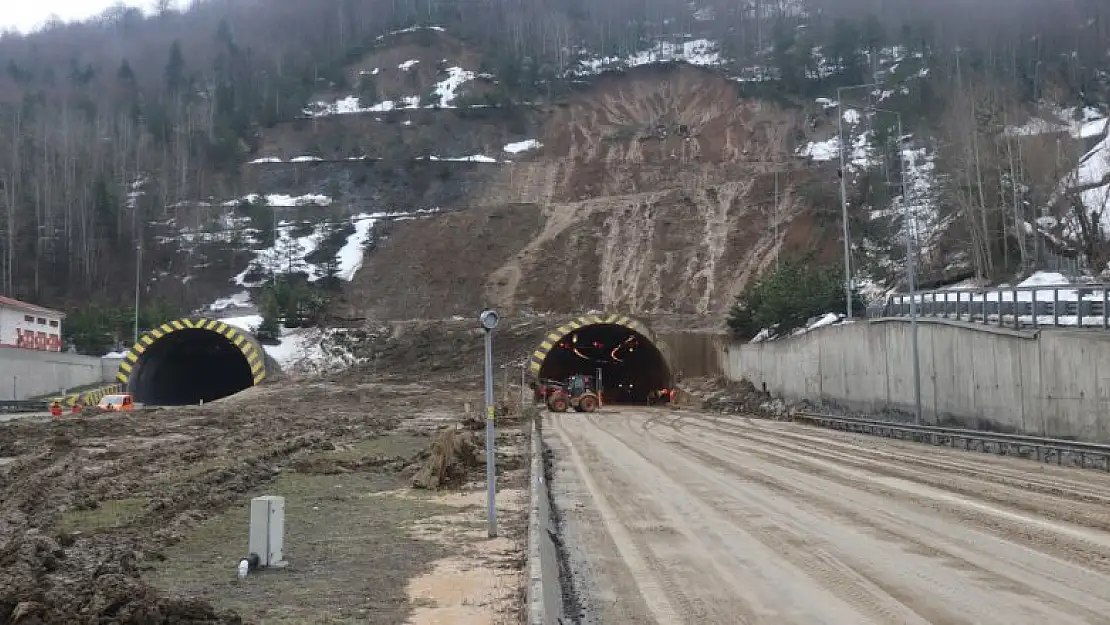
631 366
187 362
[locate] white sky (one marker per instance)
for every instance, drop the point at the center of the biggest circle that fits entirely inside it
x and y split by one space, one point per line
25 15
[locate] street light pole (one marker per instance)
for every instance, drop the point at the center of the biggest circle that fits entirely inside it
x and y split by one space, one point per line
844 208
844 195
138 278
911 274
489 320
910 219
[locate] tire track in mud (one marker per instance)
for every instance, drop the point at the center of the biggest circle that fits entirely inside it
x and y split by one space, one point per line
831 572
696 608
1093 488
1088 548
892 528
1087 507
643 567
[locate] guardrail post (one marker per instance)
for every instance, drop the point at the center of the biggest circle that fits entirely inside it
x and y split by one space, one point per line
1055 306
1106 316
1036 313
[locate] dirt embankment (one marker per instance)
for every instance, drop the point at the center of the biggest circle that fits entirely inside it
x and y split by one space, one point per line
437 267
655 192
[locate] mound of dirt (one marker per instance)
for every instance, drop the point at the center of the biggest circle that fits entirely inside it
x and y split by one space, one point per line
39 587
727 396
453 455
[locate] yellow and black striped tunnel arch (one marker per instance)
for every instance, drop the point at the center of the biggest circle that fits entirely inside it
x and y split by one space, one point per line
557 334
222 340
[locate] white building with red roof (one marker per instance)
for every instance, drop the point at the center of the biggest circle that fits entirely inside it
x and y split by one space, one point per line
29 326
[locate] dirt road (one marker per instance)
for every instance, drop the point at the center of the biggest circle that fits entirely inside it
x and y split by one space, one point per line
683 517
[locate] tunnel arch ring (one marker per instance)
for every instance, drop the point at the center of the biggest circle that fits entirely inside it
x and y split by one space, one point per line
235 336
552 339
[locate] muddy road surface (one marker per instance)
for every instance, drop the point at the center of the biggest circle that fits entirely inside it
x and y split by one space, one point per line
683 517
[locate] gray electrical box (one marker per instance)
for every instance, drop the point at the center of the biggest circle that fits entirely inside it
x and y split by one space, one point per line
267 531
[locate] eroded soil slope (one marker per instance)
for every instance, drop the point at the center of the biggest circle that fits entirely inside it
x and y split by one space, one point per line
654 192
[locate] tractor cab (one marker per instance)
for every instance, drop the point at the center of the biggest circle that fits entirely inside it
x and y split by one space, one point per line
578 384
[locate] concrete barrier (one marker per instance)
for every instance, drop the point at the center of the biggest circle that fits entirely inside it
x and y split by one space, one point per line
544 593
1049 383
26 373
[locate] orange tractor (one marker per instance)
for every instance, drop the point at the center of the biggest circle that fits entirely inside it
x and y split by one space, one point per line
577 393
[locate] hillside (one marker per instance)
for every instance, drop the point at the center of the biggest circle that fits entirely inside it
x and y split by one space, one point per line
651 158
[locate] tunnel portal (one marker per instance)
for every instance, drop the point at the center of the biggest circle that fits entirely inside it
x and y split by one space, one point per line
632 367
188 361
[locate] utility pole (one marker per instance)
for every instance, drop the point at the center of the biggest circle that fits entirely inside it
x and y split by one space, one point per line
778 247
909 218
138 279
844 209
911 274
844 194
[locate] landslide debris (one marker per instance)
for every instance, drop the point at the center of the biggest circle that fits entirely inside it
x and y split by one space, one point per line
88 504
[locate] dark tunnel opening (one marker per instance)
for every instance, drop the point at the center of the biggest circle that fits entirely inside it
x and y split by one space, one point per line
189 366
632 367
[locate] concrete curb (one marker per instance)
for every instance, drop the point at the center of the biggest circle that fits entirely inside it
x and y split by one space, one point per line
536 608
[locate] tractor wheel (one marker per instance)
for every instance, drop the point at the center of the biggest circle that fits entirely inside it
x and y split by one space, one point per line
558 404
588 403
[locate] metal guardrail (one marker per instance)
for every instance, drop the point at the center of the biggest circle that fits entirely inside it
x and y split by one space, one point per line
1072 306
1086 455
25 405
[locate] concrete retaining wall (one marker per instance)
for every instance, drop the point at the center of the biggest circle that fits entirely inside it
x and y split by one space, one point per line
692 354
1050 383
26 373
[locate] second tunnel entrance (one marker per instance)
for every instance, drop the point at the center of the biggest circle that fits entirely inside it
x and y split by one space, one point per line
189 361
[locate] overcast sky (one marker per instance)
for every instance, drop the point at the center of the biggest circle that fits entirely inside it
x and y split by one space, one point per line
25 15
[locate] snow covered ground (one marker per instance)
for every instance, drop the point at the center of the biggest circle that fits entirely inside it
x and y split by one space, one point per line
695 52
289 252
522 146
302 350
828 319
446 92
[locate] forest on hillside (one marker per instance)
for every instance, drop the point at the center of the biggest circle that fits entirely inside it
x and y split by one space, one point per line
178 98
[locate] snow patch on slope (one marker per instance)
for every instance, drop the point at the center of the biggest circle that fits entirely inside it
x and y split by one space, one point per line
522 146
445 90
695 52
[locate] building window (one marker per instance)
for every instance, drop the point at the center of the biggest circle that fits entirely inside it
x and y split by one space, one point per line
53 323
28 318
42 321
